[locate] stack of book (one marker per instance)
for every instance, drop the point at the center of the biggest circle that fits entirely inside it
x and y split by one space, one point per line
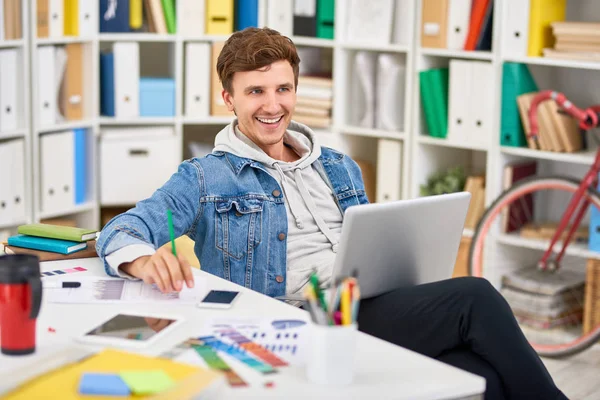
52 242
557 132
545 300
314 101
575 40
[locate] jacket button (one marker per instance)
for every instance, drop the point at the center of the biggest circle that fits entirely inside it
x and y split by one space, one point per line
279 278
276 193
281 236
238 214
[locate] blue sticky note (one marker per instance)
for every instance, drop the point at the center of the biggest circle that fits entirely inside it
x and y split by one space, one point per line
103 384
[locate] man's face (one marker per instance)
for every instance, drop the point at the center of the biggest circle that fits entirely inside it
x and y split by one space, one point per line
263 101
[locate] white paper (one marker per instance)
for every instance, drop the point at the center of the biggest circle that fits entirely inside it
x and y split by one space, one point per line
114 290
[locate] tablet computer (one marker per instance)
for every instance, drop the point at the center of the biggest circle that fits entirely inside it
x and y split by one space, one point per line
131 329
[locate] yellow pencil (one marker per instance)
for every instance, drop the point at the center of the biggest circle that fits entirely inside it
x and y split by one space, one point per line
346 307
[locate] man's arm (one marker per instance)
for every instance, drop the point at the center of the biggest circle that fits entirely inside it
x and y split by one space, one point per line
128 243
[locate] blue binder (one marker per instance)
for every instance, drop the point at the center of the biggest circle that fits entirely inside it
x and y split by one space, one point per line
516 80
107 84
80 165
246 14
117 21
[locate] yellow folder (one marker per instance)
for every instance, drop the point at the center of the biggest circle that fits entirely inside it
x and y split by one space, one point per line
541 14
63 383
219 17
71 17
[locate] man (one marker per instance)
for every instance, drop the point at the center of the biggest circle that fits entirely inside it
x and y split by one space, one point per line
266 208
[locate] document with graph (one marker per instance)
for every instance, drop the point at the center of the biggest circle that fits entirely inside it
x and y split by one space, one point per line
114 290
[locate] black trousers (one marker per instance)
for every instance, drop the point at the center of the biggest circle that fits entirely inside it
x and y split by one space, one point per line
466 323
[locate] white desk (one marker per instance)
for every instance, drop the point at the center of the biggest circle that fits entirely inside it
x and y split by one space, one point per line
383 370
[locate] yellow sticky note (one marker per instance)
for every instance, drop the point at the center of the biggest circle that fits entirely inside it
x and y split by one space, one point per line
64 381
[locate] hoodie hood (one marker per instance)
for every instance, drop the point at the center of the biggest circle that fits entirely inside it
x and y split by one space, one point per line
298 136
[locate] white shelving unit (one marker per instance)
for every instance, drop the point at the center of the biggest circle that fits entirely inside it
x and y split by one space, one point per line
86 213
22 133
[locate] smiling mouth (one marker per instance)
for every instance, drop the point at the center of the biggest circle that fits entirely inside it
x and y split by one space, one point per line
269 121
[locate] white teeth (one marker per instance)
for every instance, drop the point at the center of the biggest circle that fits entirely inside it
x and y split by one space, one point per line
269 121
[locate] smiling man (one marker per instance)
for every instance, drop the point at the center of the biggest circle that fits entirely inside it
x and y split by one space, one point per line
265 209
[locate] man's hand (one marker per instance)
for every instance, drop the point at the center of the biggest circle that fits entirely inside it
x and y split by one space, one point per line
164 269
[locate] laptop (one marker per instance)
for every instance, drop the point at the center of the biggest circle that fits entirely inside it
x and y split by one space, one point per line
401 243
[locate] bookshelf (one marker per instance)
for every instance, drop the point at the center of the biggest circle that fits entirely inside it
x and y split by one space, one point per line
15 136
418 154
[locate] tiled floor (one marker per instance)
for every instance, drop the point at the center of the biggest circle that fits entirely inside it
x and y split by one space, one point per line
578 376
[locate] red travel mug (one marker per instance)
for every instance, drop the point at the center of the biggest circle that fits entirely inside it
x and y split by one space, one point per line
20 300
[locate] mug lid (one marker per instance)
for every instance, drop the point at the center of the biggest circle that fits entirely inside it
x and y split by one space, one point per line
17 268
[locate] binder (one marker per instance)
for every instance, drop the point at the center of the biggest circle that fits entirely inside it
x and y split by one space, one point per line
484 40
197 79
10 93
246 14
219 17
114 19
191 22
369 21
2 20
72 99
305 18
107 84
391 89
403 16
362 110
480 118
57 157
459 105
168 7
389 170
541 14
12 195
56 18
516 30
459 12
325 19
280 16
42 19
126 79
478 13
87 18
71 17
80 166
47 94
434 23
516 80
136 18
217 104
434 97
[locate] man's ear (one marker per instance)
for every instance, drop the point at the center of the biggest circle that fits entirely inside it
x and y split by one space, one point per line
228 99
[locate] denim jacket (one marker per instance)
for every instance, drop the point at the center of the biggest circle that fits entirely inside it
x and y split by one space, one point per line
234 211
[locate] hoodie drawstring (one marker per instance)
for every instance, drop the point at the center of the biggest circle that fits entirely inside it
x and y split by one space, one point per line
299 223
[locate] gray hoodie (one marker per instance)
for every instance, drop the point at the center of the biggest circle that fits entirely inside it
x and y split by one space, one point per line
314 219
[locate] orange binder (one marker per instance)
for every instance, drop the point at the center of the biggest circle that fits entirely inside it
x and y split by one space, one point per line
478 10
71 96
434 20
217 105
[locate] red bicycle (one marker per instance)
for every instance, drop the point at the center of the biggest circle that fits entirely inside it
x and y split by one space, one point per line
543 280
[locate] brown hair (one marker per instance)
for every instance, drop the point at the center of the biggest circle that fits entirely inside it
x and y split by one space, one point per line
255 48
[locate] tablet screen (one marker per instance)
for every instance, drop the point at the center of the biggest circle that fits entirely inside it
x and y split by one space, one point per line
132 327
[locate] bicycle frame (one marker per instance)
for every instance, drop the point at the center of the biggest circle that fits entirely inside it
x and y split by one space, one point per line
588 119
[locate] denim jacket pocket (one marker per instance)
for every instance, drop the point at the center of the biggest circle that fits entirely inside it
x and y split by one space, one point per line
238 225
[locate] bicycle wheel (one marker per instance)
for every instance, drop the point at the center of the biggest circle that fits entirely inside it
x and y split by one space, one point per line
507 244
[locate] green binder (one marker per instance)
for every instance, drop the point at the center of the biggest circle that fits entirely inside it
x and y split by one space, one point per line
427 102
516 80
325 18
168 7
439 78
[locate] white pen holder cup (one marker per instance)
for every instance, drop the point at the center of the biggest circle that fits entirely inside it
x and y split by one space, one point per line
330 357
